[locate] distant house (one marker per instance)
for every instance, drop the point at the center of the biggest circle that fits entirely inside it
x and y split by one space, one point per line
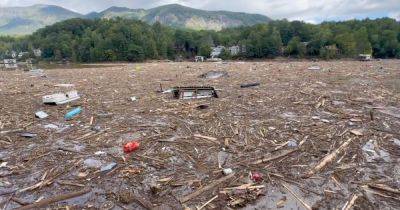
22 54
305 43
13 54
365 57
234 50
37 52
10 64
199 59
216 51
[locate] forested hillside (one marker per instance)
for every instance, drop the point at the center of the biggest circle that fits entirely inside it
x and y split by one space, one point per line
26 20
129 40
179 16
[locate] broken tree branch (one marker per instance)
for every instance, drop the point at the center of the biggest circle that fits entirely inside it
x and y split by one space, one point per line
308 207
55 199
385 188
208 202
206 188
350 203
208 138
269 159
327 159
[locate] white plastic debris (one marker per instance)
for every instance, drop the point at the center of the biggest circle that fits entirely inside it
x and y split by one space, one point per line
372 152
28 135
61 98
64 85
227 171
99 153
134 98
41 114
51 126
222 158
314 68
292 143
37 72
3 164
396 142
92 163
168 91
325 121
108 167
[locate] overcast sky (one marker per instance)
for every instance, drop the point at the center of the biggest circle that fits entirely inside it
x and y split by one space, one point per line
307 10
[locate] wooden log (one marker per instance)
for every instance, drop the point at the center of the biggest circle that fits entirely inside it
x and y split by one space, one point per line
269 159
327 159
350 203
206 188
308 207
55 199
385 188
208 138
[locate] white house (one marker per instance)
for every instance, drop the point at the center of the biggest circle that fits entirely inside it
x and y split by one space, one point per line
365 57
37 52
216 51
199 59
21 54
10 63
13 54
234 50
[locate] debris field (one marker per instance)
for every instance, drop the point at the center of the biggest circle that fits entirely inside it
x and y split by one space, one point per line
279 136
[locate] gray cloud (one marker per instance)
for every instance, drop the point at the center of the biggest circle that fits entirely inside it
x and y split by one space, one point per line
307 10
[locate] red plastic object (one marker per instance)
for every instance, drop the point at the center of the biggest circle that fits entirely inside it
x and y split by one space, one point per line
131 146
257 177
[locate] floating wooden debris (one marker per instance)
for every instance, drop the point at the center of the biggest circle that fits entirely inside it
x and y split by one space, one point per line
194 92
61 98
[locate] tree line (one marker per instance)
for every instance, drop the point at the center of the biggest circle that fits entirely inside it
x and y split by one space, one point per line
101 40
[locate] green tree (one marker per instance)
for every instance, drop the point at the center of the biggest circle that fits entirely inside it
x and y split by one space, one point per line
346 44
296 48
363 45
135 53
225 55
204 50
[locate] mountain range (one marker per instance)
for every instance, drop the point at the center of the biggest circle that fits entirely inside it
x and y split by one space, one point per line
26 20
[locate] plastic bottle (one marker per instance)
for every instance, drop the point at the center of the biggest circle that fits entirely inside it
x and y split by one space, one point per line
71 114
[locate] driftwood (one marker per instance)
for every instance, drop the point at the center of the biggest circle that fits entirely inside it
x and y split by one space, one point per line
308 207
350 203
208 202
242 187
269 159
55 199
385 188
208 138
143 202
206 188
327 159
